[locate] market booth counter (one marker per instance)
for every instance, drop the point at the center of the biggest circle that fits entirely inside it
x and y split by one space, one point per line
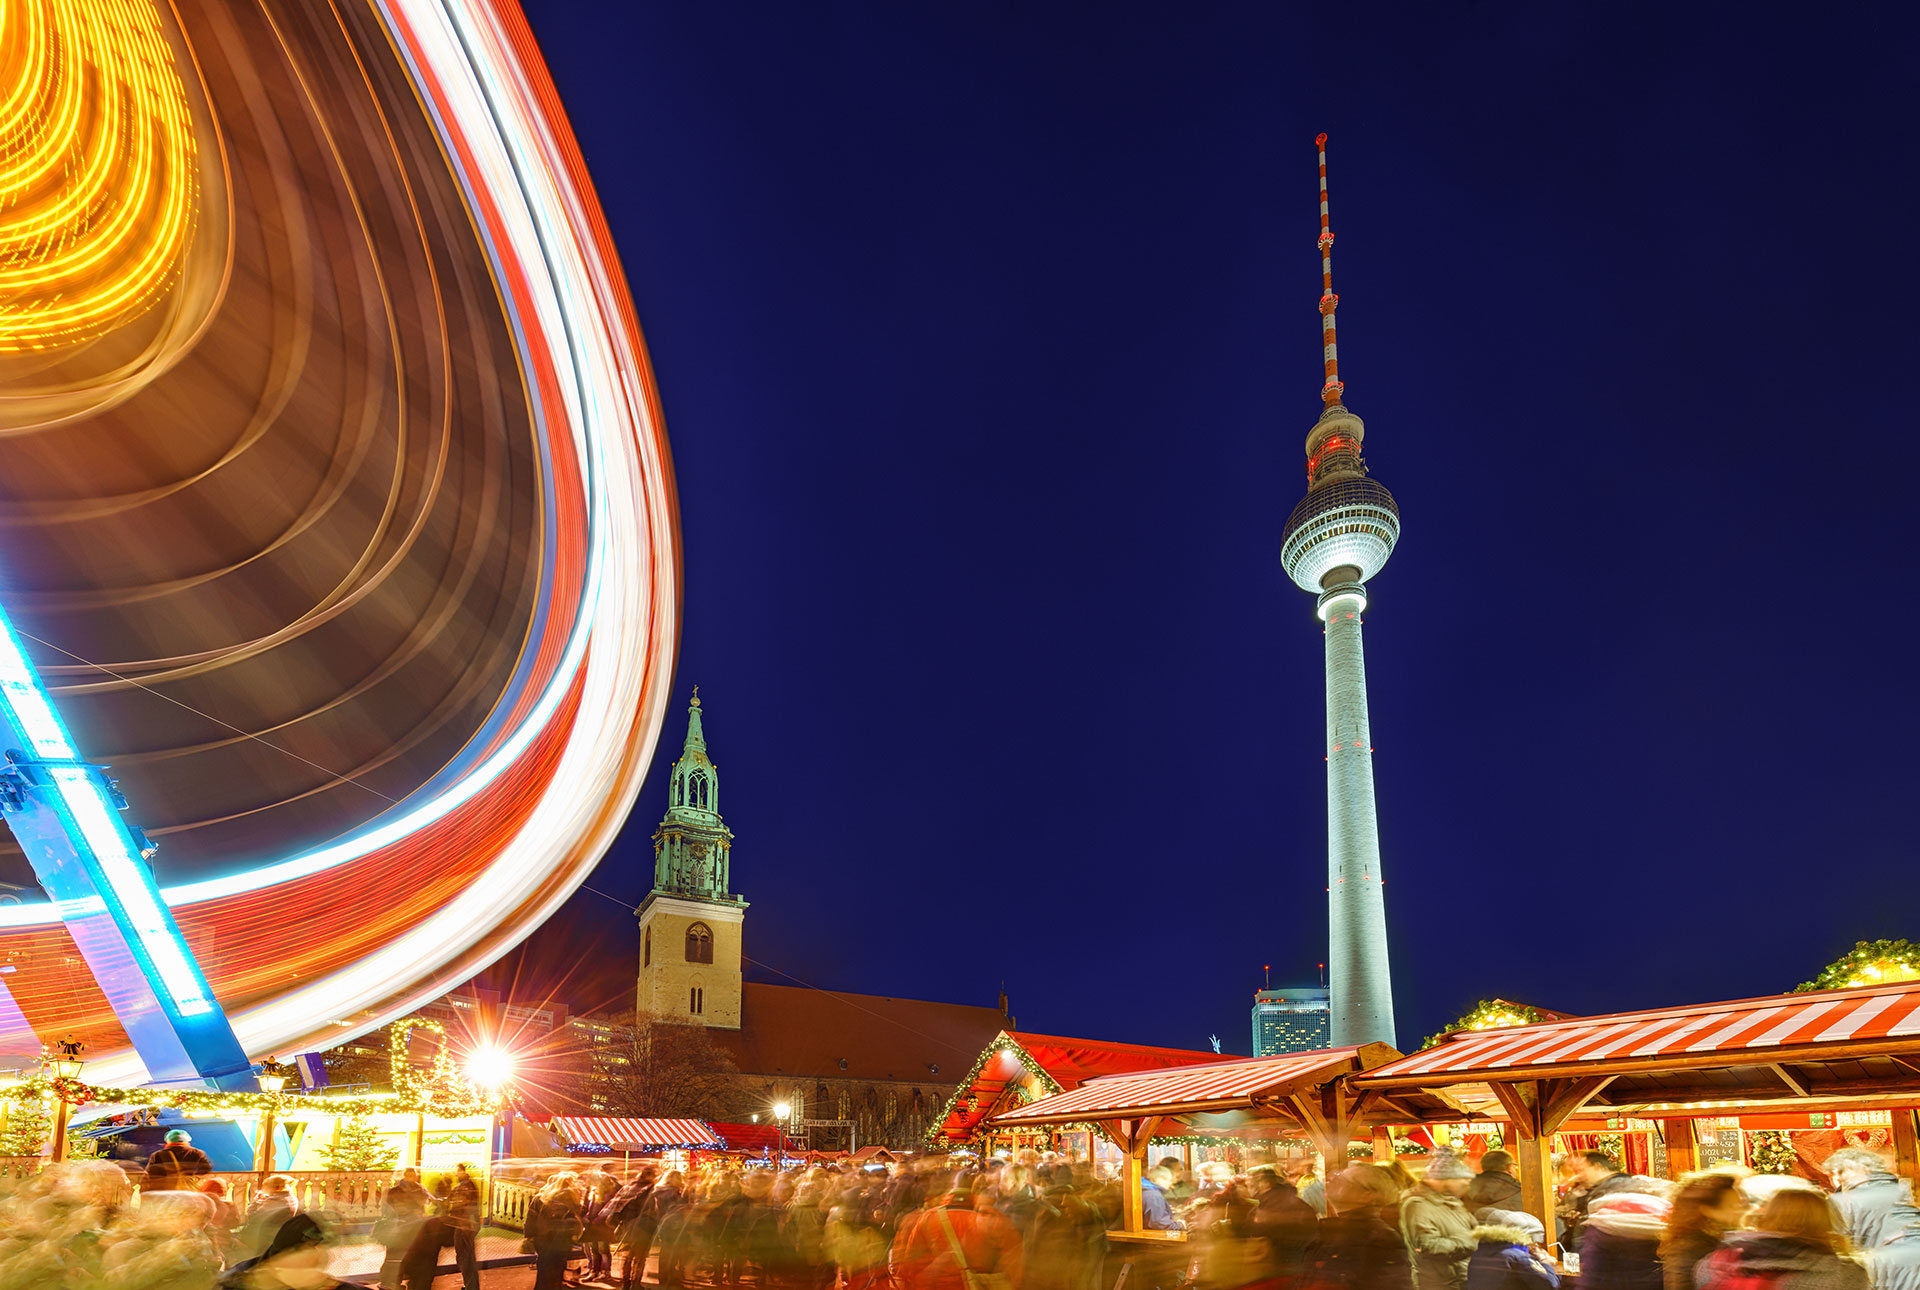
1820 1052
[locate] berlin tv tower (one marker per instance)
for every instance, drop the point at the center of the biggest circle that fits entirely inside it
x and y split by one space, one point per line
1339 536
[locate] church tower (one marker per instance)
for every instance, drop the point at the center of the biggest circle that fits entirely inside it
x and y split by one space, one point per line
690 921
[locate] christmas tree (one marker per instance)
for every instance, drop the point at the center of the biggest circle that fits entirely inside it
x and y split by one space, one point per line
28 1126
360 1148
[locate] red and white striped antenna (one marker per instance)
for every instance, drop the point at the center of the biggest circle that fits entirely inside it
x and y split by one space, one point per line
1331 391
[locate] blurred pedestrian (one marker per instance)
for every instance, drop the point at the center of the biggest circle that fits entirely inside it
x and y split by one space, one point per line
1506 1254
554 1223
1436 1225
1358 1245
1620 1240
1705 1209
176 1164
402 1210
1793 1246
461 1216
1494 1186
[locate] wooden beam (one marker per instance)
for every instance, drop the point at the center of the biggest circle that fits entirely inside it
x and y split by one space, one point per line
1515 1099
1683 1147
1382 1146
1786 1077
1565 1097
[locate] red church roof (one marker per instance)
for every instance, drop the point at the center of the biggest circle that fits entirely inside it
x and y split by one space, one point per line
1019 1066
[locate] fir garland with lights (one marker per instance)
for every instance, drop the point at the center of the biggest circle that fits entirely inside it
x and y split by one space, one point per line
1487 1014
1868 963
965 1101
1773 1152
440 1091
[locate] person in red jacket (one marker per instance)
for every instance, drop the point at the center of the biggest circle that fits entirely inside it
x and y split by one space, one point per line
956 1236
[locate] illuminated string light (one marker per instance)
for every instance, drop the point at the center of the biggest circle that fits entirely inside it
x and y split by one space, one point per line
97 188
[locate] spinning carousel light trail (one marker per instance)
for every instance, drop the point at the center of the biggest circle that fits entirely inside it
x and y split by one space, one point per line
542 788
96 168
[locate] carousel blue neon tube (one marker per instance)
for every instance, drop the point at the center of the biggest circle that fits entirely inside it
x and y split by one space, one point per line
66 815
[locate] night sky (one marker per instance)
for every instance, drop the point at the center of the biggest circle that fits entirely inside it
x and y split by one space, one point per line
988 343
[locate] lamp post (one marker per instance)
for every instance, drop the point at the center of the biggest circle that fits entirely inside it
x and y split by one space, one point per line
63 1061
273 1078
490 1068
781 1110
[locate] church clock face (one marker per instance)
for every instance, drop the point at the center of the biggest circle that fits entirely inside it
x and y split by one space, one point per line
699 854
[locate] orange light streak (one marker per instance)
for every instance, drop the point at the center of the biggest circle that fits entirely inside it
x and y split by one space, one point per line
97 187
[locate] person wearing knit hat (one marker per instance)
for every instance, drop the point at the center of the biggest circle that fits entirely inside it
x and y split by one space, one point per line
1436 1226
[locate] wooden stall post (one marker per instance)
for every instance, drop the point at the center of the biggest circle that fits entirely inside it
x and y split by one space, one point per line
1683 1147
1533 1158
1538 1108
1133 1137
1906 1145
1383 1146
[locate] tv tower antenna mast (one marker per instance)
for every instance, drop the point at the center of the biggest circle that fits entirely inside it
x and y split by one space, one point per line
1338 537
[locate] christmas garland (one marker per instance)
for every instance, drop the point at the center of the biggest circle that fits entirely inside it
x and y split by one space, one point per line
1487 1014
965 1101
1868 963
441 1091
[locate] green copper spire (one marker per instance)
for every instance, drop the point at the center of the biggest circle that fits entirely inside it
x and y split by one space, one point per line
692 848
696 737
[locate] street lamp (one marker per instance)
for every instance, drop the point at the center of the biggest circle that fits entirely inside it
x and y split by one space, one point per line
781 1110
63 1061
273 1078
491 1067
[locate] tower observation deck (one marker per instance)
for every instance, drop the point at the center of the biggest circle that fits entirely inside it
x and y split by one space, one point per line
1338 537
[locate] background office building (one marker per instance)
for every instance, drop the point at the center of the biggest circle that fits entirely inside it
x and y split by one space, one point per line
1290 1020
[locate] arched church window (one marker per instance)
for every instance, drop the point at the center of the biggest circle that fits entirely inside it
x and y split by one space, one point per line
699 943
697 790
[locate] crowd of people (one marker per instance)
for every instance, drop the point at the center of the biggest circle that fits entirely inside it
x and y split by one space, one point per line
1034 1222
1041 1223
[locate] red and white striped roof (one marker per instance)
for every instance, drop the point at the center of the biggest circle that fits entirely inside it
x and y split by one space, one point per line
633 1134
1216 1087
1885 1014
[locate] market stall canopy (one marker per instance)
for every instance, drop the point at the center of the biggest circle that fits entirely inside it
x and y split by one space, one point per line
1019 1066
1303 1091
633 1134
748 1137
1856 1047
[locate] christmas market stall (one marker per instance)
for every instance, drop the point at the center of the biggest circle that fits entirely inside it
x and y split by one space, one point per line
595 1135
1812 1057
1306 1094
1018 1068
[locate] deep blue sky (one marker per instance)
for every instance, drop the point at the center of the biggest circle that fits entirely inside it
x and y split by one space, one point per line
987 339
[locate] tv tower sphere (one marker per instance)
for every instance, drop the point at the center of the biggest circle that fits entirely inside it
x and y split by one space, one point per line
1341 533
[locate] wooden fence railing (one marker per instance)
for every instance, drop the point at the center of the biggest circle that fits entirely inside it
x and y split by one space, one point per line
354 1197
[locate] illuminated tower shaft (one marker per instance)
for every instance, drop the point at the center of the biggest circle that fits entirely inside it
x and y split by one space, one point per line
1362 987
1339 536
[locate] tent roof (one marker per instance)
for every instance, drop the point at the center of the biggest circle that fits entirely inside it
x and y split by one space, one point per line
1062 1062
632 1134
1217 1086
1855 1046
